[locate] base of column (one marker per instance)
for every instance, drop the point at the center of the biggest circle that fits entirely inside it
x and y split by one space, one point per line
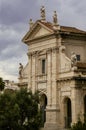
54 128
52 119
51 126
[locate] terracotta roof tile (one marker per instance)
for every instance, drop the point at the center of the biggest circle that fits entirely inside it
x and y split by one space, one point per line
71 29
63 28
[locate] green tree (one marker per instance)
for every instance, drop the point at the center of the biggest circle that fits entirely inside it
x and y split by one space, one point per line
19 111
79 125
2 84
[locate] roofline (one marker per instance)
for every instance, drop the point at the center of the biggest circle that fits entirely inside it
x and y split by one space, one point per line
39 38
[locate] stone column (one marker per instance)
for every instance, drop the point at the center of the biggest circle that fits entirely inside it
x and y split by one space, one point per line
76 105
73 98
54 77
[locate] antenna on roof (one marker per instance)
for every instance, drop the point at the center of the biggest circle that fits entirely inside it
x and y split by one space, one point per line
42 11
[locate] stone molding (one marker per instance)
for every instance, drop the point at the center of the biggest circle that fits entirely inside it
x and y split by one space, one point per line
49 50
55 49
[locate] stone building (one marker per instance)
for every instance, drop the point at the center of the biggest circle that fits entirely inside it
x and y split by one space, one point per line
57 69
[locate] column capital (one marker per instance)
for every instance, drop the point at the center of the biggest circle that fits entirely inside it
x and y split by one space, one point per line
55 49
34 53
29 54
49 50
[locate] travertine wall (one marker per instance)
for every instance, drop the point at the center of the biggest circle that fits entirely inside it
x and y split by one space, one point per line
77 46
58 83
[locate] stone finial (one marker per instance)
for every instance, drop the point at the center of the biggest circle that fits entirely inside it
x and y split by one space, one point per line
31 23
42 10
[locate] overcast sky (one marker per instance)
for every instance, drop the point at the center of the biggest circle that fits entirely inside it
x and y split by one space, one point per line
14 19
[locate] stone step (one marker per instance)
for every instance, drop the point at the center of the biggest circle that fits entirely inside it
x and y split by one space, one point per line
52 129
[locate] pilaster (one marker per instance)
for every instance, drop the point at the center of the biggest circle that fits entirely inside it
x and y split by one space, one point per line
33 72
30 71
49 76
54 76
52 108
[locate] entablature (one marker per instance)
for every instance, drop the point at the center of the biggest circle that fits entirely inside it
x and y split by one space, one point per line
43 51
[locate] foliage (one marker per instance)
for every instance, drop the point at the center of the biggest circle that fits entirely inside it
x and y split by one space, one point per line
79 125
19 111
2 84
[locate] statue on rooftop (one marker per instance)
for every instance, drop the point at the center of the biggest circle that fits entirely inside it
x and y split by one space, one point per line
55 21
42 10
20 70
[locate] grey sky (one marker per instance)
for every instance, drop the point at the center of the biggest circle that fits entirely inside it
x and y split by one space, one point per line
14 19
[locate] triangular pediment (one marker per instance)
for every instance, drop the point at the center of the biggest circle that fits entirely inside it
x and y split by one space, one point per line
41 32
38 30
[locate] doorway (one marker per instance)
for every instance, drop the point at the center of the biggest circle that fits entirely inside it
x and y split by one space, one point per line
43 104
67 112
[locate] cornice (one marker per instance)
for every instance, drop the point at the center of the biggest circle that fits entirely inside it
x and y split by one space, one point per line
39 39
71 35
22 84
71 78
48 50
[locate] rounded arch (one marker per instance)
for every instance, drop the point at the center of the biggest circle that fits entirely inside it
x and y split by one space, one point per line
43 104
43 100
67 112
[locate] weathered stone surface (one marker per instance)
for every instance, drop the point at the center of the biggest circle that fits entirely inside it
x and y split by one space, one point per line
61 87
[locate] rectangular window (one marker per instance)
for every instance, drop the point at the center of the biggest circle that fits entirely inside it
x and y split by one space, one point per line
43 66
78 57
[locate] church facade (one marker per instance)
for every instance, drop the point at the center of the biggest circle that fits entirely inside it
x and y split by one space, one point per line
57 69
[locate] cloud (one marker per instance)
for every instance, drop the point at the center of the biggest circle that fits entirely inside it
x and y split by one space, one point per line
16 11
9 67
10 43
14 23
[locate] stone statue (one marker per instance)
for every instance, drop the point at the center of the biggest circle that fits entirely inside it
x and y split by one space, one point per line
42 13
20 70
73 59
55 18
